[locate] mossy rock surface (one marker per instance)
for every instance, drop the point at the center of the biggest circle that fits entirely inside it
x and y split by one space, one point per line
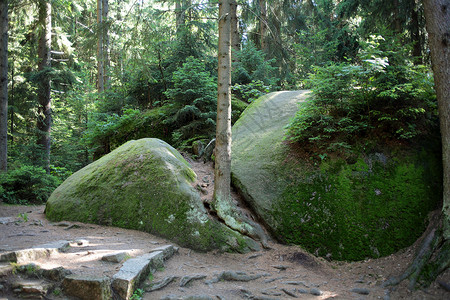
144 185
371 207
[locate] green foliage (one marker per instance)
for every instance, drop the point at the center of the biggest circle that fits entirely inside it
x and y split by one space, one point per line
27 185
368 209
193 100
137 295
382 98
250 91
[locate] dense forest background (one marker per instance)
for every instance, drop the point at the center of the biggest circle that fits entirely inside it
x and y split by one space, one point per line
86 76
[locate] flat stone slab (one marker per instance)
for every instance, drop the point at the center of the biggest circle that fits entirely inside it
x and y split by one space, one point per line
87 287
33 289
116 257
167 250
134 271
5 269
35 253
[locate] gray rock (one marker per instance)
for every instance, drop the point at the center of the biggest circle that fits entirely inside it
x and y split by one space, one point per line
116 257
167 250
134 271
289 292
56 274
31 288
186 279
87 287
234 276
361 291
302 291
271 292
315 292
296 283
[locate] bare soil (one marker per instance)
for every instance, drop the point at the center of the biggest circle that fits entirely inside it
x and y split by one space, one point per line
283 267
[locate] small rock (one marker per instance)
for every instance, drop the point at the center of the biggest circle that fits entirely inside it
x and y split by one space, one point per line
361 291
271 292
315 292
205 179
273 279
233 276
56 274
116 257
302 291
296 283
254 256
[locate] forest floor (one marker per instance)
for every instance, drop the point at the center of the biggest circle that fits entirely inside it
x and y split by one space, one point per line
287 271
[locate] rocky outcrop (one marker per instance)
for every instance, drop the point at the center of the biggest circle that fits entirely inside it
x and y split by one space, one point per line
368 206
143 185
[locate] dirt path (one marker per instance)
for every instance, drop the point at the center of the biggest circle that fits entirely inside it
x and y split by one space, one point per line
285 271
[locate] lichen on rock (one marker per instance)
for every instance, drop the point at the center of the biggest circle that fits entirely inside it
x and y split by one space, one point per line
145 185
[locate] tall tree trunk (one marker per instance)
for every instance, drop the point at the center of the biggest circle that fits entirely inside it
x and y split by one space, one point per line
262 24
3 85
222 172
235 36
45 114
437 15
100 75
415 34
105 40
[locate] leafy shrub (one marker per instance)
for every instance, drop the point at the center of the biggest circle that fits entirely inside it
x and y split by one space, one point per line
27 185
381 98
251 91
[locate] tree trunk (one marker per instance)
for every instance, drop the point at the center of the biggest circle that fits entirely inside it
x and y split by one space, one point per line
437 15
415 34
262 24
45 113
3 85
222 173
100 75
235 36
105 40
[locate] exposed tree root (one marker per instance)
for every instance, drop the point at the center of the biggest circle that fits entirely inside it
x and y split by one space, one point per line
234 218
432 258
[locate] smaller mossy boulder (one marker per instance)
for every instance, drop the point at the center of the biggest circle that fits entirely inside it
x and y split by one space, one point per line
144 185
345 209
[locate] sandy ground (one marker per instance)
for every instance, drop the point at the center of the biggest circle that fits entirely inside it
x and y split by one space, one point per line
283 269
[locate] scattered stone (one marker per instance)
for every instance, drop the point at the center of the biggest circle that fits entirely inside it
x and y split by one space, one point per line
361 291
31 288
167 250
160 284
87 287
56 274
315 292
444 285
289 293
6 220
186 279
280 267
134 271
296 283
58 245
302 291
205 179
80 242
116 257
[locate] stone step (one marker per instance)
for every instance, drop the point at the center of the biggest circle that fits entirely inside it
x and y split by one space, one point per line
31 289
35 253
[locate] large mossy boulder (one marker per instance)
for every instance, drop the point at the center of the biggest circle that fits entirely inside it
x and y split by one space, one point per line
144 185
345 209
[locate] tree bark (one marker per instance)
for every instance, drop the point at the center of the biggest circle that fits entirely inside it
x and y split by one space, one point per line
3 85
45 113
262 24
415 35
105 40
100 75
437 16
235 36
222 173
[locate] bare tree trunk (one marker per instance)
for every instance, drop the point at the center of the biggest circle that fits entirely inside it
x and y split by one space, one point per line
3 85
44 122
437 15
105 40
235 36
262 24
222 179
415 34
100 75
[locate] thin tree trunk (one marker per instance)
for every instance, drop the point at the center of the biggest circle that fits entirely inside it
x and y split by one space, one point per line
45 113
222 172
437 15
11 109
415 34
100 75
3 85
105 39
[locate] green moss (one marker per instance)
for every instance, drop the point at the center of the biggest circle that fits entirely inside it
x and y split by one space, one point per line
143 185
369 209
